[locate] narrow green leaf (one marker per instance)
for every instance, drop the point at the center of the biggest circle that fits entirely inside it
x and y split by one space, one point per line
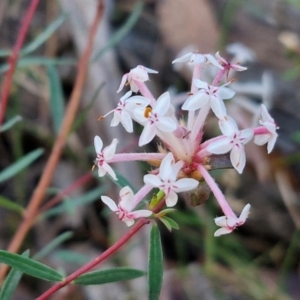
10 123
21 164
10 205
83 200
56 97
29 266
72 257
5 53
37 60
171 222
121 33
155 264
110 275
11 282
44 36
53 244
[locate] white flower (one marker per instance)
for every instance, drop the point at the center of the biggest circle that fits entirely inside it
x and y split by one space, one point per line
138 74
233 141
209 94
228 224
123 112
154 118
194 58
125 207
167 181
104 156
271 136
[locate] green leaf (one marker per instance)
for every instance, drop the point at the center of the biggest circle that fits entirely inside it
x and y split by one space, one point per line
56 97
110 275
29 266
83 200
72 257
121 33
37 60
5 53
155 264
10 123
53 244
11 282
44 36
10 205
169 223
21 164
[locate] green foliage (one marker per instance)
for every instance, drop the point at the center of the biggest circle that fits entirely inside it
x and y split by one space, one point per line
72 257
10 123
110 275
20 165
10 205
56 97
155 264
169 223
29 266
11 281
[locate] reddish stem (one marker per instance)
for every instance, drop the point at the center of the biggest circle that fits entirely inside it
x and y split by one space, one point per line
138 225
12 62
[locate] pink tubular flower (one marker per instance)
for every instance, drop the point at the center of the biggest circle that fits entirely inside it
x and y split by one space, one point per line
229 66
104 156
153 119
125 207
167 181
233 141
271 136
228 224
138 74
213 95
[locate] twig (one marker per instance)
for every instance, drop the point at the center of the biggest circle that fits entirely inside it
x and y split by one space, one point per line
12 62
39 193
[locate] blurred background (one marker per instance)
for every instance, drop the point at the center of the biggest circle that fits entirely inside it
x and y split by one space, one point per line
260 260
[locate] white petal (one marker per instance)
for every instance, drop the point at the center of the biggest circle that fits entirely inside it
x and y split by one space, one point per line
272 142
262 139
221 146
139 114
133 86
152 180
126 121
245 135
138 101
148 134
175 170
123 81
115 120
143 213
162 104
201 84
129 222
238 157
221 221
196 101
244 214
109 170
139 73
213 61
265 114
151 71
98 144
109 202
101 171
218 107
126 199
185 184
228 126
184 58
225 93
171 199
166 124
165 167
109 151
222 231
196 59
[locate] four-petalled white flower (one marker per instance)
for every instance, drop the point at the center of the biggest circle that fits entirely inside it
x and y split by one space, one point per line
166 180
138 74
229 223
233 141
268 122
104 156
213 95
154 119
125 206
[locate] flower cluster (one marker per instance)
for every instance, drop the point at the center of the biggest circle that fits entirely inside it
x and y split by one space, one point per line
183 158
